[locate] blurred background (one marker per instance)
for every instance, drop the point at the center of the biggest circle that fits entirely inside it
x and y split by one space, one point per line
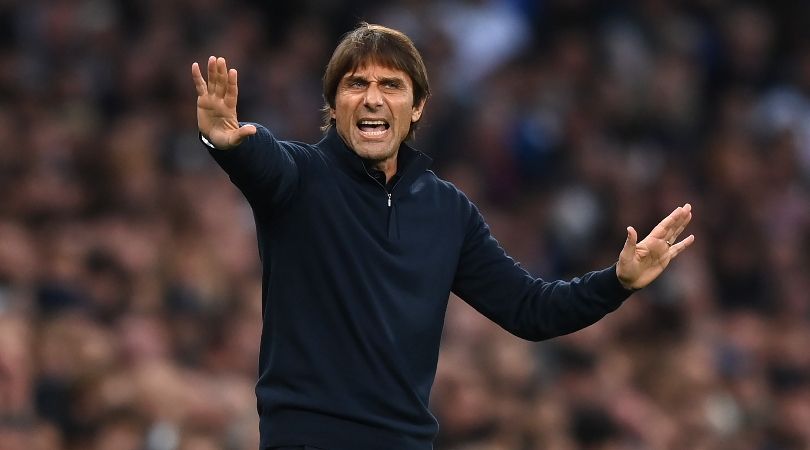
129 275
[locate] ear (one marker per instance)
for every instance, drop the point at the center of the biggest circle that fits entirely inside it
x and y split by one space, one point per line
416 111
332 113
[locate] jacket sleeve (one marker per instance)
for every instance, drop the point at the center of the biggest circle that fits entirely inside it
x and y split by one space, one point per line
262 167
528 307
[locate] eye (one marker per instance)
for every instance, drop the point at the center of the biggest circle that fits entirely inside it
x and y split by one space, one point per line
356 83
392 84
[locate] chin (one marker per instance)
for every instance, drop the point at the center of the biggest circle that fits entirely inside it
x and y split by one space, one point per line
375 154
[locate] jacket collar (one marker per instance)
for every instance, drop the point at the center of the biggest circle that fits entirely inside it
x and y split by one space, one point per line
410 162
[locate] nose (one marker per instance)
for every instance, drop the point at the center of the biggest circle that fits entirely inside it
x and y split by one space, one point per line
373 98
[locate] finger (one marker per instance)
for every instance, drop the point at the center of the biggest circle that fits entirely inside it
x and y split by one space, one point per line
682 222
241 133
666 227
232 90
676 249
222 77
199 82
680 229
212 74
247 130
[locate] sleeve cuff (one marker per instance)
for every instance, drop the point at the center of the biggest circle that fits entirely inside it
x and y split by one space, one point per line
206 142
608 282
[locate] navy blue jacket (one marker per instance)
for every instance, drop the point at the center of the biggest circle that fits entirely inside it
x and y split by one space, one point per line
356 284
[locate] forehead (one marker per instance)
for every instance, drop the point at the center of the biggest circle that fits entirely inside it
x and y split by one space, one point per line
374 70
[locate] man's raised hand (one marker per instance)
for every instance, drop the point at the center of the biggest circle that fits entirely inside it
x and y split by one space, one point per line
216 105
641 262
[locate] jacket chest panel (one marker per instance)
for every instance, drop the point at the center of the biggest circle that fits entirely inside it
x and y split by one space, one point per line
418 236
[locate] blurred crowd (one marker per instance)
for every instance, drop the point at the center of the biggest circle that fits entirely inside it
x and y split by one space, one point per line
129 276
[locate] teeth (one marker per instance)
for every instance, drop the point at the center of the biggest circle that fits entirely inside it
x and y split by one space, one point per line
372 122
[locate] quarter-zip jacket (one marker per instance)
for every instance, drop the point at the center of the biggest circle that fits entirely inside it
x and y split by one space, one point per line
356 280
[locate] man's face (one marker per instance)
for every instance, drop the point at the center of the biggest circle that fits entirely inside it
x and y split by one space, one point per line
374 110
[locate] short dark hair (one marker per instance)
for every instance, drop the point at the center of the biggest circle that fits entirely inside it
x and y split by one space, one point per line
376 44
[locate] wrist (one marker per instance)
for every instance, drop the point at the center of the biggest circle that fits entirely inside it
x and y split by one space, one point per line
624 282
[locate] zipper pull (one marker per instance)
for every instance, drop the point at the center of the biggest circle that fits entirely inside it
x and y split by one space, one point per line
389 199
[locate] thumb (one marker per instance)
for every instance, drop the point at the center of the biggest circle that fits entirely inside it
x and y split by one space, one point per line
247 130
632 239
626 257
241 133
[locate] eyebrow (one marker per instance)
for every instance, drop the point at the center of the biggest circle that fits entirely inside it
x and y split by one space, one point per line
381 80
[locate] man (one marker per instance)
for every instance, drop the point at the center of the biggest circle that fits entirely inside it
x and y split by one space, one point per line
361 246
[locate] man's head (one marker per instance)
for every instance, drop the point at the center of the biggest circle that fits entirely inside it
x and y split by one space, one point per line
374 88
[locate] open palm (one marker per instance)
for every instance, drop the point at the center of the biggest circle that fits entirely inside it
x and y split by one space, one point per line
216 105
642 262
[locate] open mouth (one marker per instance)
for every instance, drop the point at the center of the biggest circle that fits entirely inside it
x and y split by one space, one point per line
373 127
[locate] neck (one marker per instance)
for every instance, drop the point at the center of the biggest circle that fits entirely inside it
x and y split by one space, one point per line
387 166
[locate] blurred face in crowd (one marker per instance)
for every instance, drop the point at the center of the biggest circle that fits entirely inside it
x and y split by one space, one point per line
374 109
